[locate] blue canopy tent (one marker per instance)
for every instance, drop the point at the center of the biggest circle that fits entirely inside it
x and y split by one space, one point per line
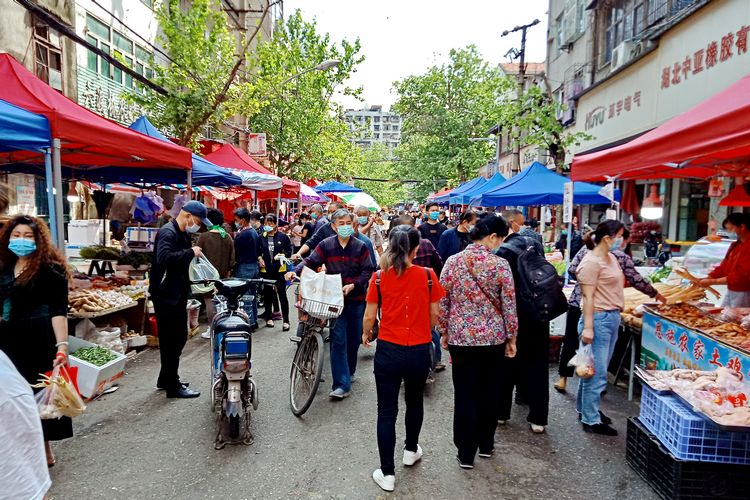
22 130
468 196
456 196
336 187
204 173
538 185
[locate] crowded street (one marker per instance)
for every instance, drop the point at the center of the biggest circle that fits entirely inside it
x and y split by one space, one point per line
329 452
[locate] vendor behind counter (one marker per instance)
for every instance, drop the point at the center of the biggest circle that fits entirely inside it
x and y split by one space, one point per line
734 270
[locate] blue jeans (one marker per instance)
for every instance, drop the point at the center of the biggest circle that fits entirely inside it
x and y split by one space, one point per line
249 271
606 326
436 342
346 336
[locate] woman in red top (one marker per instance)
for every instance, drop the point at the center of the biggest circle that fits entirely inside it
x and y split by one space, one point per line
409 297
734 270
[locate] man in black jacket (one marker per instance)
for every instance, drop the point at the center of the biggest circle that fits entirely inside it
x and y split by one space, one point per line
169 290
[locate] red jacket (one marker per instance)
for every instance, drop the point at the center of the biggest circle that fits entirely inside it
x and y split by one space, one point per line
735 267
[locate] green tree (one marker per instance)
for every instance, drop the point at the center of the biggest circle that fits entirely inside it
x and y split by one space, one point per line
306 134
376 163
202 72
442 109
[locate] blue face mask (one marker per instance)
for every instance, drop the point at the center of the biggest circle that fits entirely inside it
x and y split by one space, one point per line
434 215
267 229
345 231
22 246
617 244
314 216
363 220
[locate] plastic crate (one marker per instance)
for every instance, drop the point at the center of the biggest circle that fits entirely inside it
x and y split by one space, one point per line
676 479
687 435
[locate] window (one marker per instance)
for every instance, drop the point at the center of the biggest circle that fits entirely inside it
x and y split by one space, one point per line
627 19
121 47
48 55
377 119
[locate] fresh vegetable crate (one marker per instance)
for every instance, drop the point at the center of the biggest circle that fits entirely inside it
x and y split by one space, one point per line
94 380
676 479
687 435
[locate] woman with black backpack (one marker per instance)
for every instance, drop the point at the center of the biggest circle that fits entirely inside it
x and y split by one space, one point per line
407 296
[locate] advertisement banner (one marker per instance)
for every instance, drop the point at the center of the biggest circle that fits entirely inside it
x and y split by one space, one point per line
666 345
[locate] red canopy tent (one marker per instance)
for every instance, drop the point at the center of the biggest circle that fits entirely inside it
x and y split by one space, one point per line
713 138
737 197
87 139
230 156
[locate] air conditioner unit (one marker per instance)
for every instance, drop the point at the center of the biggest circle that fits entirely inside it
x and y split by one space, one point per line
621 54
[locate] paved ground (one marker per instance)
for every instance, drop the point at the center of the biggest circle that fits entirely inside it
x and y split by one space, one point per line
136 444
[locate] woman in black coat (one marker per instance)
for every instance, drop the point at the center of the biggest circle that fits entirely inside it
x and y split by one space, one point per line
275 243
34 307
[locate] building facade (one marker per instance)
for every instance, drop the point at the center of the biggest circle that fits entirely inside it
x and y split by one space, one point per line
372 125
638 63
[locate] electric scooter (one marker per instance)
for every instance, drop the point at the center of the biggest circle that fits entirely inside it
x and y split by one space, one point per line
233 390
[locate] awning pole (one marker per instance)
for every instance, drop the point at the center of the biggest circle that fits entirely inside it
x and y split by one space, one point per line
190 184
50 195
278 203
570 237
57 183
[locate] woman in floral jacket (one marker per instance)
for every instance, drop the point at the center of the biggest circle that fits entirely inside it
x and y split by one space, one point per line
478 325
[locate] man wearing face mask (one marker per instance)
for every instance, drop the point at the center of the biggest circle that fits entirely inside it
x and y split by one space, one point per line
517 225
319 220
366 226
433 228
342 254
453 241
169 290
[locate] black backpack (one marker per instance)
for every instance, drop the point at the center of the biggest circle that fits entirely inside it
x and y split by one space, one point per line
539 292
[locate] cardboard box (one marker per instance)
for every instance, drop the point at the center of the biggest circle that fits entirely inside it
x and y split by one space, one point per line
94 380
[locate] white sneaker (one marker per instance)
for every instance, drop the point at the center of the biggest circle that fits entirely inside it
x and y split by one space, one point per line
206 334
387 483
339 394
537 429
412 457
502 422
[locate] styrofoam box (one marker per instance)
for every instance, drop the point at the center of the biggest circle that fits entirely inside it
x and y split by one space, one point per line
557 326
94 380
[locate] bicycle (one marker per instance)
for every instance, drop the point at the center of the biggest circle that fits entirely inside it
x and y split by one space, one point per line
307 364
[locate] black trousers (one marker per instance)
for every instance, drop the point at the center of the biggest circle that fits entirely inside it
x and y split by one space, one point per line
476 371
527 372
270 295
394 363
570 342
171 320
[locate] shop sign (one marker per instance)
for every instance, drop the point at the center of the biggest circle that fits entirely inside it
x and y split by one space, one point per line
256 145
107 102
26 196
617 107
716 188
567 203
666 345
716 52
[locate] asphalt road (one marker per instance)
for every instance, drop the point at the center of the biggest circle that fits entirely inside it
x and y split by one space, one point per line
136 444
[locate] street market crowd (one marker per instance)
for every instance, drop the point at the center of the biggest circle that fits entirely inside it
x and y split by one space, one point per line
424 282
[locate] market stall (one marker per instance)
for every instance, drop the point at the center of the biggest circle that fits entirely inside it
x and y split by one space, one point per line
467 197
459 195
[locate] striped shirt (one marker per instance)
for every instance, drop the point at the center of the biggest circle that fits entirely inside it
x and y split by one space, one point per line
352 262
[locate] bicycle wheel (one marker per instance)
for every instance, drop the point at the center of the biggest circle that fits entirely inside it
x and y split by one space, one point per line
307 369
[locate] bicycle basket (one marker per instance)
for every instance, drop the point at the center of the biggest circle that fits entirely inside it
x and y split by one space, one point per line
321 310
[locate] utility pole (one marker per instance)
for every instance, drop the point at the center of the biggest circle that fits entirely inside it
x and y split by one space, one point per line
521 78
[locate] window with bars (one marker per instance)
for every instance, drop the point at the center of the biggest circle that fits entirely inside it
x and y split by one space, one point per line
112 42
48 60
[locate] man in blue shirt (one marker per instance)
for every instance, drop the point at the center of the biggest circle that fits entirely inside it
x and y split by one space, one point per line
248 255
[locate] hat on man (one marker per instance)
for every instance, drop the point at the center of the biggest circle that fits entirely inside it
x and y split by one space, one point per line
199 210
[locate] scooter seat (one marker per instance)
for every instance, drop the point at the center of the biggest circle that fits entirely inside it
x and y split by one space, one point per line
232 324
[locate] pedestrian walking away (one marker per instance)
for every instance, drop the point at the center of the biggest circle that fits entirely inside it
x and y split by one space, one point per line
602 282
218 248
169 289
478 325
276 249
248 253
407 296
342 254
34 297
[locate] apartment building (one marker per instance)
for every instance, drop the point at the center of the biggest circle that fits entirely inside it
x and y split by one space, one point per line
372 125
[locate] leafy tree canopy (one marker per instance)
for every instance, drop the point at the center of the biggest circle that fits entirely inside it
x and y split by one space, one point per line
376 163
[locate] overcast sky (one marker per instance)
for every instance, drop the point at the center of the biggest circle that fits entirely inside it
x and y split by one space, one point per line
404 37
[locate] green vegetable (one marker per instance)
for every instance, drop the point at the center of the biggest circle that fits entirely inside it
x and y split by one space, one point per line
100 253
660 274
97 356
559 267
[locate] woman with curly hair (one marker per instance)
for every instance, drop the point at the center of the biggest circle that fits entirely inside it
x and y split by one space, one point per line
34 305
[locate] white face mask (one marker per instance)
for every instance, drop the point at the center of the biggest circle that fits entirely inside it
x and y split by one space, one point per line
192 228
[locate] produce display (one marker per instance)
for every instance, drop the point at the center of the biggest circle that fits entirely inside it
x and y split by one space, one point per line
96 301
97 356
135 292
660 274
722 327
720 395
58 398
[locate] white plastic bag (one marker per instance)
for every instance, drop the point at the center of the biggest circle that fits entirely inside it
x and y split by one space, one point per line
321 287
583 361
202 269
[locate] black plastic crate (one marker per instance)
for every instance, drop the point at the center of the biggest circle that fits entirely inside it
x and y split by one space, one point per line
680 479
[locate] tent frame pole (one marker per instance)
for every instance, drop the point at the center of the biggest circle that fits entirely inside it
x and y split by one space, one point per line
57 186
569 238
51 196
